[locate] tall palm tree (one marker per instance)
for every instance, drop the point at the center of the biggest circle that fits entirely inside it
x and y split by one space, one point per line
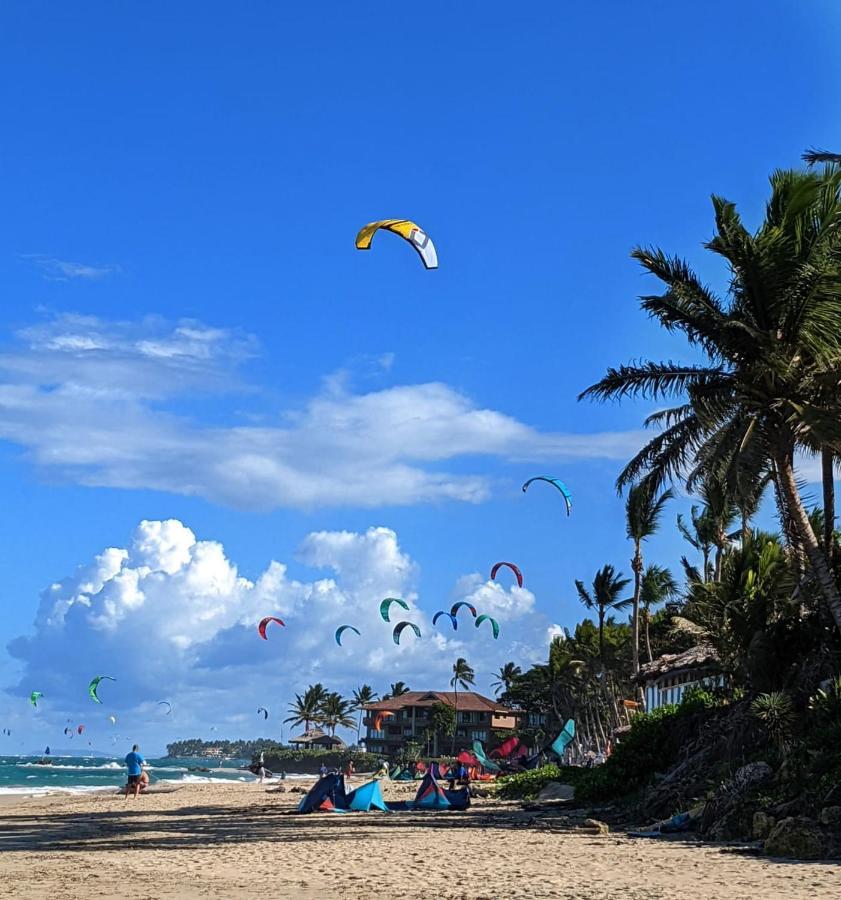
767 347
506 676
306 709
463 675
643 512
657 587
397 690
607 586
336 712
699 535
362 696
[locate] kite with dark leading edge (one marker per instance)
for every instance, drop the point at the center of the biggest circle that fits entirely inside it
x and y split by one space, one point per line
409 231
555 482
515 569
261 628
342 629
447 615
494 624
94 685
385 606
399 628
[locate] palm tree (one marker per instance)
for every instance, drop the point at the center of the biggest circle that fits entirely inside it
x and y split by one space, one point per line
657 587
643 511
463 675
397 689
307 708
336 712
362 696
755 400
607 586
698 535
506 676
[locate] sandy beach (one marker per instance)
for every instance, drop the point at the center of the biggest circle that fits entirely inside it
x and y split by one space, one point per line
241 841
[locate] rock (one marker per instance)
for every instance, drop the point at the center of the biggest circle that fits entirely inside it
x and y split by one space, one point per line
733 823
762 825
751 775
831 816
594 826
796 838
556 791
297 790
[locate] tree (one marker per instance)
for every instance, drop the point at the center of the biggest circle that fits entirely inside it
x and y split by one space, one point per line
464 676
442 719
607 586
643 511
699 536
362 696
657 587
397 690
306 709
335 712
754 400
506 677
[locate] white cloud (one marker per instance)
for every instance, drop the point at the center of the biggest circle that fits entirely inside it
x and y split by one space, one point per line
90 400
55 269
171 616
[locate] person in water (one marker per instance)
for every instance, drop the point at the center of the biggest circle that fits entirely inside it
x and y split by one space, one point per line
134 764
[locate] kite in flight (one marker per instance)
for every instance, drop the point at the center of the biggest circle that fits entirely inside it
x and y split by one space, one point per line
34 697
556 482
494 624
448 615
385 606
167 704
416 236
341 630
457 606
264 711
95 684
262 626
515 569
398 630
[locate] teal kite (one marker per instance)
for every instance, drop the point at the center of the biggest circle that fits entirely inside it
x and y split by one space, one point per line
386 605
564 739
494 624
95 684
556 482
341 630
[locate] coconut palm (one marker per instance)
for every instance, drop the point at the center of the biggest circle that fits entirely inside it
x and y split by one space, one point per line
699 535
335 712
306 709
605 596
464 676
506 676
397 690
754 399
643 512
362 696
658 586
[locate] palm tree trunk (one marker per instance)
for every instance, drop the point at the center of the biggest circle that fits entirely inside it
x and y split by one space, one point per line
648 636
455 728
719 554
601 635
817 559
636 565
828 478
706 564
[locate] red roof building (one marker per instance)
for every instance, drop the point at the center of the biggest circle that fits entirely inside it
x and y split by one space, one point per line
477 718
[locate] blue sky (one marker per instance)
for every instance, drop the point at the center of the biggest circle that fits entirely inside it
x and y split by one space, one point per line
184 310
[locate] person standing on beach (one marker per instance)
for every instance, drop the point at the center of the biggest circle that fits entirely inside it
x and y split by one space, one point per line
134 764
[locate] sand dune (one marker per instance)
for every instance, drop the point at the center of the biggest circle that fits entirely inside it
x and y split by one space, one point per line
225 841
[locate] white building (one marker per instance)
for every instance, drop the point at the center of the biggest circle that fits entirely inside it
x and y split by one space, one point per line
665 680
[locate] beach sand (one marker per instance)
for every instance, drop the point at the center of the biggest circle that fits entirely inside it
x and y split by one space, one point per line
239 841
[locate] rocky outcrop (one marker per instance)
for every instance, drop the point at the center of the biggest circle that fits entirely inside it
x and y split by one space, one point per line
554 791
796 838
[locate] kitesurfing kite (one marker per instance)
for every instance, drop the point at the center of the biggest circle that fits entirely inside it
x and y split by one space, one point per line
556 482
410 232
494 624
386 605
449 615
264 712
341 630
95 684
564 738
34 697
80 729
378 719
398 630
112 720
167 704
457 606
68 731
515 569
262 626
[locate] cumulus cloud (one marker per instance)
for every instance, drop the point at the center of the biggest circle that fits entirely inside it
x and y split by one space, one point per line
93 402
171 616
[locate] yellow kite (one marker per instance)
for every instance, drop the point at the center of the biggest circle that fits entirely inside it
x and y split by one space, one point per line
410 232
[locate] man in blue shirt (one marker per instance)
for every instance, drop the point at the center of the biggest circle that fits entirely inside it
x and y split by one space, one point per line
134 763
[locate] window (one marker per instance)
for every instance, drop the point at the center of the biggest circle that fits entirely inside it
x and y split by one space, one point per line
478 735
376 735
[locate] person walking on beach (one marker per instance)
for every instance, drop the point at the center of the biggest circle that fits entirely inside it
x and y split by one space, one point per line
134 764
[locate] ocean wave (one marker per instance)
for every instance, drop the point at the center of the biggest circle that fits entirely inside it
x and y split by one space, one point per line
111 766
24 791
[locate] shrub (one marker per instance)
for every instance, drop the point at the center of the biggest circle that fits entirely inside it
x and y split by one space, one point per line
527 785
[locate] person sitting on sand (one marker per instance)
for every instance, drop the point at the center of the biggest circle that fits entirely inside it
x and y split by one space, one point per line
134 764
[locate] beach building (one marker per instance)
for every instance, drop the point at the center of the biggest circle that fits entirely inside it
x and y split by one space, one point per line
316 739
666 679
477 719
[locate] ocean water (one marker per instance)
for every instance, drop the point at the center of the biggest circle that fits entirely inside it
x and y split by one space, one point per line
76 774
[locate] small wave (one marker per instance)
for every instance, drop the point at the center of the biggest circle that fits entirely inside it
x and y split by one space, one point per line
109 765
69 789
